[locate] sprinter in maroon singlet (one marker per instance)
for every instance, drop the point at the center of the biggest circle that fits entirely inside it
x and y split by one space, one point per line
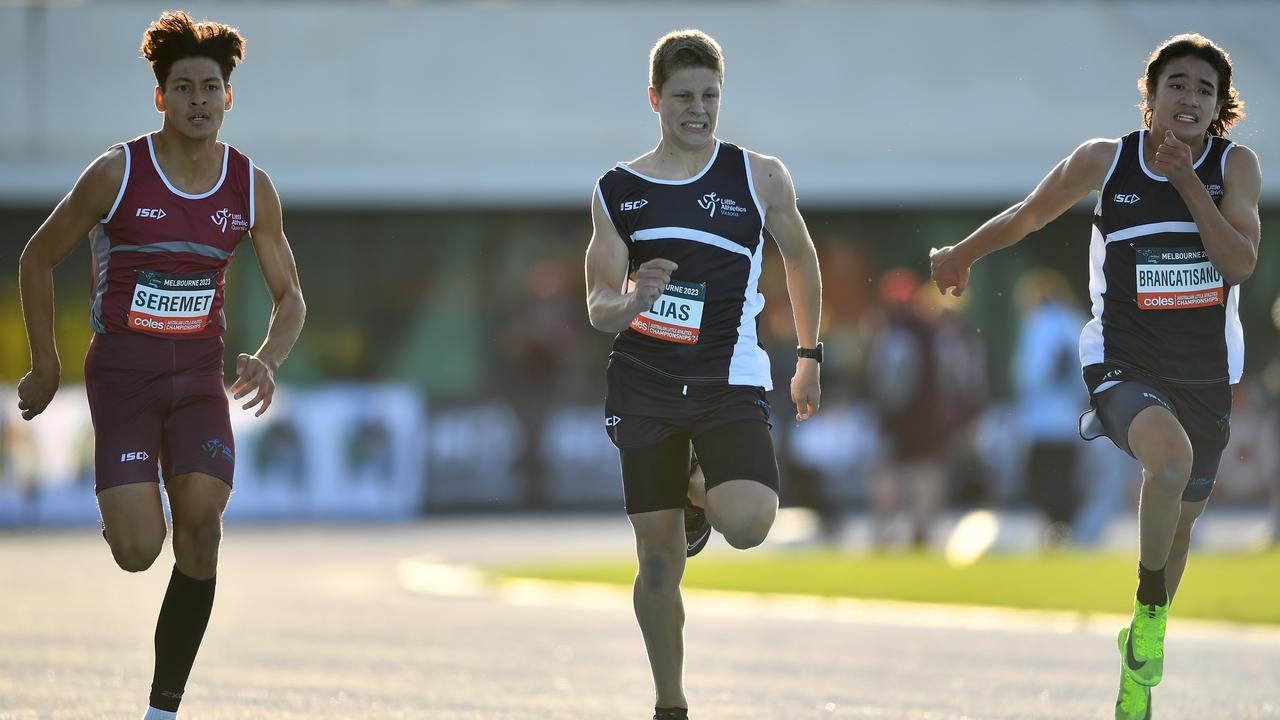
164 213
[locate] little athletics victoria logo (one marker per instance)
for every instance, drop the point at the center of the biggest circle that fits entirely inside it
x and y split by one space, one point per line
712 201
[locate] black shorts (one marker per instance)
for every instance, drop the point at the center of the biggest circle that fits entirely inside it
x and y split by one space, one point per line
1117 394
655 422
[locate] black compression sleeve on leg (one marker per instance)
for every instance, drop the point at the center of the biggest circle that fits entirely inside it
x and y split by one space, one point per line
179 630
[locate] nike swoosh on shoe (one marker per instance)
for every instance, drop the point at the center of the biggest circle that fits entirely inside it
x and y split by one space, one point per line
1129 659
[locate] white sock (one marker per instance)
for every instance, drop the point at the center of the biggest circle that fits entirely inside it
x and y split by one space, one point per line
154 714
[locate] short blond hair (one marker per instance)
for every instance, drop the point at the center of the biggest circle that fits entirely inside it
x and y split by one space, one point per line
681 49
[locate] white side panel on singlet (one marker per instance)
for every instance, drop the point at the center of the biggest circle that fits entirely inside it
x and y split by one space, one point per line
750 363
1092 349
1234 337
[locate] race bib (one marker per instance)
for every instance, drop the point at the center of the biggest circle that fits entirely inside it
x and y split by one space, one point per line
676 316
171 304
1177 279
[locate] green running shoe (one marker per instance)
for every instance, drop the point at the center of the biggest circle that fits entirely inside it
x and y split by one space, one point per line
1143 647
1134 700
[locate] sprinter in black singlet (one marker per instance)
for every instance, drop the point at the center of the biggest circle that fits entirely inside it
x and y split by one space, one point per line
673 267
1175 232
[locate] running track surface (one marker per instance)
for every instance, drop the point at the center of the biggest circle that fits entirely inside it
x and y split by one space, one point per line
321 623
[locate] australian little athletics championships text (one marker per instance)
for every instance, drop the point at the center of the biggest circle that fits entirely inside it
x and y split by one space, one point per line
167 325
687 336
1175 301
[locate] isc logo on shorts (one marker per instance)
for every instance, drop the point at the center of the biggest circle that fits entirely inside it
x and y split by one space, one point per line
612 421
132 456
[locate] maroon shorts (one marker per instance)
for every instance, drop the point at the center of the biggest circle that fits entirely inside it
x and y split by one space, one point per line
157 403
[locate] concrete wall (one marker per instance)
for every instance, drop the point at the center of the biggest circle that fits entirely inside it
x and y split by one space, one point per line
526 103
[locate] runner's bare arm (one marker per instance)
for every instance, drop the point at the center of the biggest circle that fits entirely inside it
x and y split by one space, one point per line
610 306
70 222
777 194
1231 230
1080 173
288 311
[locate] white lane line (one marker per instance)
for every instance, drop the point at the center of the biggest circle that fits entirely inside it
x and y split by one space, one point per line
430 575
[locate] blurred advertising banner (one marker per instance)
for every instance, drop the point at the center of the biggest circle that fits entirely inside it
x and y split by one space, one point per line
339 452
371 452
492 455
46 466
350 452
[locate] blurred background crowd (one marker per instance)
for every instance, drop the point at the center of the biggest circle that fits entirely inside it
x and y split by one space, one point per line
435 166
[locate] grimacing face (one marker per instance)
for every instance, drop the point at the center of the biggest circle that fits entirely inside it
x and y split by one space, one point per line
688 107
194 97
1185 99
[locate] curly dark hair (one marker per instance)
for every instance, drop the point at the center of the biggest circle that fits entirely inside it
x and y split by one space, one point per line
175 36
1231 107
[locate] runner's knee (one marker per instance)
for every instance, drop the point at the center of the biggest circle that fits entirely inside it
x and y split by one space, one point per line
195 542
748 530
661 566
1168 473
660 572
1166 461
135 554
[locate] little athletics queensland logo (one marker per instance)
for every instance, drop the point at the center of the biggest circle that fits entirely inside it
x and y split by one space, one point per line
215 448
712 202
224 218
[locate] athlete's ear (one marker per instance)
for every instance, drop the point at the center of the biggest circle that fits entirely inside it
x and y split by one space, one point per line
653 99
227 108
159 100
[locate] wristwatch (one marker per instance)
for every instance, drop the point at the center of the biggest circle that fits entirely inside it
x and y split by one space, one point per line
814 353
